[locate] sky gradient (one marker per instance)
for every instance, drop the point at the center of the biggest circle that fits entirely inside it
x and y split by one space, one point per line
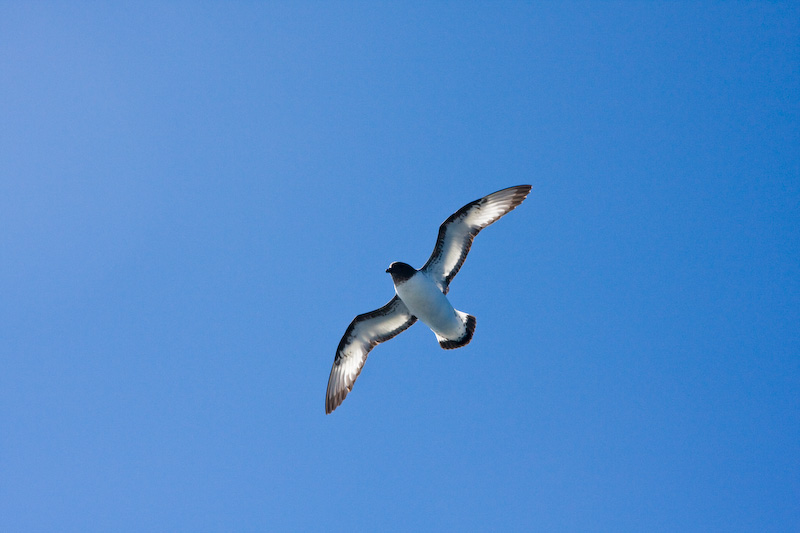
196 198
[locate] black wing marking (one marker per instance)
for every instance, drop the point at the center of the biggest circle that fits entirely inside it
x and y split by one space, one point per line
364 333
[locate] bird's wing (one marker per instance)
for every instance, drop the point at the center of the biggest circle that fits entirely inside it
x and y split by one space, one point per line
364 333
456 233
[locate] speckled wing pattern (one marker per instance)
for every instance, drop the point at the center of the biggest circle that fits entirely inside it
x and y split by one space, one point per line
456 233
364 333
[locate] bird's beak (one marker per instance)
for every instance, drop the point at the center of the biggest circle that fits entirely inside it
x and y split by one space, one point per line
387 270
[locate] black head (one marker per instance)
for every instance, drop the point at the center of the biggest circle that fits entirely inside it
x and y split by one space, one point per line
400 271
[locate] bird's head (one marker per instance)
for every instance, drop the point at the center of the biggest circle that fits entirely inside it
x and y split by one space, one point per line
400 271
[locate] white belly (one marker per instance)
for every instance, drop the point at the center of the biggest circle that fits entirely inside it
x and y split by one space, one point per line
426 302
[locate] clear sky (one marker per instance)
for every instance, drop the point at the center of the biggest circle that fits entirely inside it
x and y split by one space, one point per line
197 198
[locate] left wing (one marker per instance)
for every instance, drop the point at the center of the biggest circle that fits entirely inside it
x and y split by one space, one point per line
364 333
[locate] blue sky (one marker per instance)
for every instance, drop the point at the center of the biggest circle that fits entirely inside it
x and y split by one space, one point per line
197 198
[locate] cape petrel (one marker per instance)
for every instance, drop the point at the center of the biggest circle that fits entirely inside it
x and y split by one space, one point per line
420 294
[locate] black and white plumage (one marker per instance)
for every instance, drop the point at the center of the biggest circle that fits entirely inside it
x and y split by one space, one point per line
420 294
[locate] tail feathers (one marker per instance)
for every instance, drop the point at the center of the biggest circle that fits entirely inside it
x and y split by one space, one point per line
469 328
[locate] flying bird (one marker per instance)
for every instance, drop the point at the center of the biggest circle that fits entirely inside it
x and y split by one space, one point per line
421 294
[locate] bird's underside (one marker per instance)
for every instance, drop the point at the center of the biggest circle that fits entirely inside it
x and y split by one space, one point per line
423 291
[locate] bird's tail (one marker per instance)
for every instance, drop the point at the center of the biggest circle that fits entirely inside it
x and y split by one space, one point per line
469 328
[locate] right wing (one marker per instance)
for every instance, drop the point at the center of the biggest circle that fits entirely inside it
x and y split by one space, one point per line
456 233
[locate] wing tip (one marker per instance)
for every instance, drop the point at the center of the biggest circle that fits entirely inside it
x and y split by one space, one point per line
505 199
329 406
332 401
518 194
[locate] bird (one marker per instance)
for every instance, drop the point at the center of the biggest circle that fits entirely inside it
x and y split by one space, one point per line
421 294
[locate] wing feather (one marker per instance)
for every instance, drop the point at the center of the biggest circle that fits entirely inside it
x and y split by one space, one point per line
457 232
364 333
